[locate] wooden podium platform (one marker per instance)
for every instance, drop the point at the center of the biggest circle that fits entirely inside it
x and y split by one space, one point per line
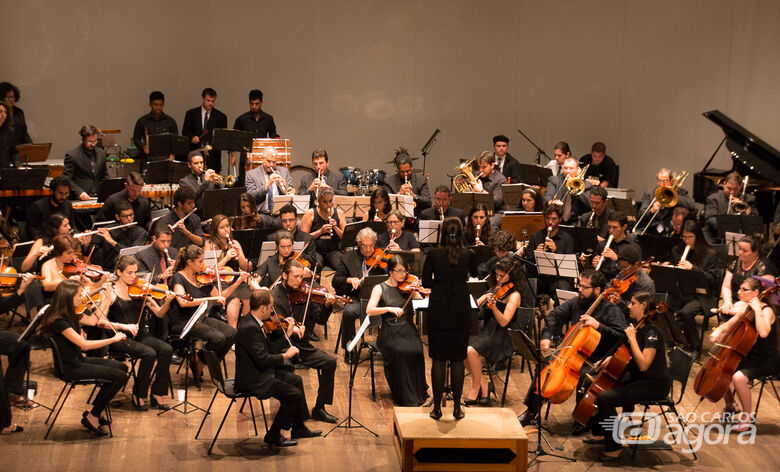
487 439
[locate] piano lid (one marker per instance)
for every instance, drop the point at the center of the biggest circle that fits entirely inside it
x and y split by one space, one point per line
749 152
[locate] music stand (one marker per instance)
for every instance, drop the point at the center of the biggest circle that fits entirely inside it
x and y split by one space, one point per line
164 144
557 265
522 225
28 178
564 295
300 202
513 194
464 201
429 231
745 224
412 258
26 335
402 203
624 205
268 248
352 207
130 251
226 139
251 240
348 237
534 175
584 238
660 247
33 152
165 171
221 201
109 187
732 241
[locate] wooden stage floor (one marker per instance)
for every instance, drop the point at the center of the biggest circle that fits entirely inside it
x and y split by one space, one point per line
145 442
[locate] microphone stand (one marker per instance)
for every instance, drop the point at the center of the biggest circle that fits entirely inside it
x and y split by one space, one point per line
539 151
428 145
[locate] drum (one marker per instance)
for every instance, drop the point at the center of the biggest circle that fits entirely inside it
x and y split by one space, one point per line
375 177
351 175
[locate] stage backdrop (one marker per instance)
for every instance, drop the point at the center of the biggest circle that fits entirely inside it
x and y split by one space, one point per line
361 78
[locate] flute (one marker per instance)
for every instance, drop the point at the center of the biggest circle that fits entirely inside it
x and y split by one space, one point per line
182 220
606 246
89 233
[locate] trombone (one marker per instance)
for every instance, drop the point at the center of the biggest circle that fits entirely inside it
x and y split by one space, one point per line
666 195
739 207
574 185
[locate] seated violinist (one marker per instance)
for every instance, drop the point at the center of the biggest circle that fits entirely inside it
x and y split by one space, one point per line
509 290
41 248
231 258
289 219
191 279
396 239
129 309
290 302
326 225
646 378
270 271
352 268
627 257
398 339
606 318
53 270
763 358
106 244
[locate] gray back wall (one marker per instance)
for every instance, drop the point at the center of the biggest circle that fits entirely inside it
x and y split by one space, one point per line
363 77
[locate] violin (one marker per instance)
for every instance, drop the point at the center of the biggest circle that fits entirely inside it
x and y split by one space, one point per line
140 289
272 324
90 298
318 295
79 267
624 279
209 276
8 278
297 256
500 294
714 379
379 258
413 284
610 373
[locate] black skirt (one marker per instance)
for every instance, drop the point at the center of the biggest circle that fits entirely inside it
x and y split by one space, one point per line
448 344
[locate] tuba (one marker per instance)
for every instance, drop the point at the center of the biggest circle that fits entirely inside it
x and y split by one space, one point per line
576 185
464 178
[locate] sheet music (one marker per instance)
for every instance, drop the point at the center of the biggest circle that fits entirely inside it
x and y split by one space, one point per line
363 327
429 231
403 203
731 242
564 295
300 202
352 207
560 265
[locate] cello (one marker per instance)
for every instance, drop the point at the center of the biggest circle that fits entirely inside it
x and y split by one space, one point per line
714 379
610 374
559 378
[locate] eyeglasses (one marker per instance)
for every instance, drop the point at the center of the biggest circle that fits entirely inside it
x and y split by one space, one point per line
585 287
367 246
400 271
743 289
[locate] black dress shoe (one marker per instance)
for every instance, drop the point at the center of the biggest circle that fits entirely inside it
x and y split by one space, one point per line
101 420
457 412
136 402
526 419
304 432
313 336
470 402
159 406
278 440
176 359
436 413
94 430
319 414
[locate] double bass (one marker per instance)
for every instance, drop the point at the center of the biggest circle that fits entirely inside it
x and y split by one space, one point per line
714 378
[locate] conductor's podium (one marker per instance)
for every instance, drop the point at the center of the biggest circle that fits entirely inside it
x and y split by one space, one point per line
487 439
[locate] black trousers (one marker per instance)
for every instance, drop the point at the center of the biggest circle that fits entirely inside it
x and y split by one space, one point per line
687 316
288 389
326 372
17 353
218 335
148 349
114 372
623 395
350 314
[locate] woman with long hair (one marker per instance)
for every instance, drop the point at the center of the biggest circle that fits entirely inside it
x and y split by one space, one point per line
41 248
9 156
141 344
379 207
326 225
217 334
63 325
748 263
231 257
530 200
248 217
477 226
398 339
446 272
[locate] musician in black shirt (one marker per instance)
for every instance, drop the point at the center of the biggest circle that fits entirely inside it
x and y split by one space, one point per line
154 122
602 167
107 244
56 202
260 123
142 208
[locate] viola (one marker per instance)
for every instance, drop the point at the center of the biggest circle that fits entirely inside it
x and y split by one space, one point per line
78 267
714 379
413 284
379 258
272 324
610 373
8 278
209 276
318 295
140 289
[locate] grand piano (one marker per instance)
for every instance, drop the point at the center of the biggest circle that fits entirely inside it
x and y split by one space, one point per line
751 156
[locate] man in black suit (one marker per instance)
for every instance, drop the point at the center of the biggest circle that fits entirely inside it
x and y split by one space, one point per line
142 209
407 182
718 203
199 125
350 271
154 122
260 372
442 200
85 165
260 123
310 356
56 202
199 179
505 163
663 215
158 256
328 178
107 244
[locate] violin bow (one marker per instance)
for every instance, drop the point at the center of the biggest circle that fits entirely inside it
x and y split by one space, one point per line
100 312
146 292
308 297
216 269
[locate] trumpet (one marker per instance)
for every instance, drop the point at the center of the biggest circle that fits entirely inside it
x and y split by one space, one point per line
665 195
465 179
606 246
739 207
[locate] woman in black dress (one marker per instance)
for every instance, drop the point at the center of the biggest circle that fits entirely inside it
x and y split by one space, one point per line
763 358
230 256
446 271
493 342
398 340
141 345
747 264
61 323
